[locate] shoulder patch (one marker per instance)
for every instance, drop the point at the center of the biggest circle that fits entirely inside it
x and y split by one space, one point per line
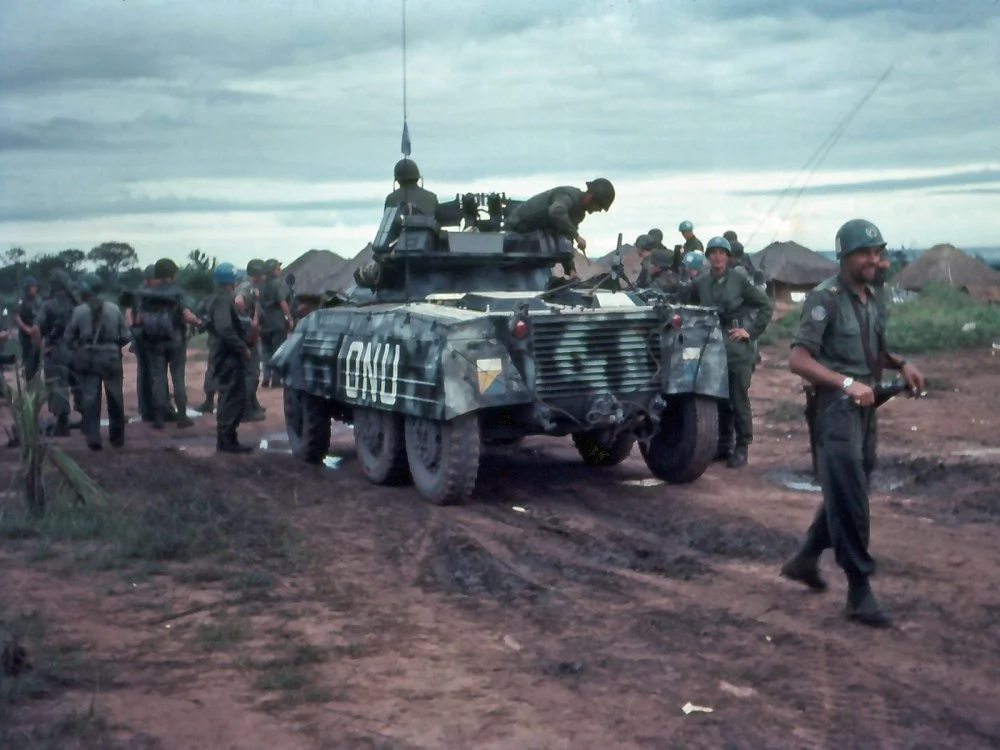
818 313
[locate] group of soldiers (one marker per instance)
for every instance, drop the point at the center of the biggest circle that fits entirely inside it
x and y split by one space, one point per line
74 337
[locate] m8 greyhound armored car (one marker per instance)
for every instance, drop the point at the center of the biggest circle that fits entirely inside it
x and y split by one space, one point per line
467 340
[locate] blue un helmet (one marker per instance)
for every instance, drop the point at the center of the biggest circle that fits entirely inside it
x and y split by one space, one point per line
90 284
224 273
855 235
685 226
719 243
693 260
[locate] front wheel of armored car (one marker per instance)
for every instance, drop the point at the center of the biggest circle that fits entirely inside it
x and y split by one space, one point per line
378 439
686 443
443 457
597 449
314 443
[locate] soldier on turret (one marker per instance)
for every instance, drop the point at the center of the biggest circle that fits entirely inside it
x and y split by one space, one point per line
409 192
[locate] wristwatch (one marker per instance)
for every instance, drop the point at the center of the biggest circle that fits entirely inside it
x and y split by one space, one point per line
848 382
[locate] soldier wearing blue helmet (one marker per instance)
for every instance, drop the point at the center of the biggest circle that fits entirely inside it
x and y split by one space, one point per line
691 243
744 314
230 355
839 347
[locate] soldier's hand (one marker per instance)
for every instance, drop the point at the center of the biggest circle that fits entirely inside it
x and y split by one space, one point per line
913 377
581 243
861 394
739 334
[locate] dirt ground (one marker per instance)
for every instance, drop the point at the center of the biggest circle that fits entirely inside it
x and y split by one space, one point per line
564 607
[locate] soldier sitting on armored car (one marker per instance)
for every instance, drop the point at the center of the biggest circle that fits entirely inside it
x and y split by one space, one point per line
409 192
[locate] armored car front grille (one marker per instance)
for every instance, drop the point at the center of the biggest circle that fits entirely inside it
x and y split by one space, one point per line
589 354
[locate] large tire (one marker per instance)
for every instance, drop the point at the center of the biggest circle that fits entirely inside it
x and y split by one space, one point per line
293 418
596 450
443 457
686 443
378 438
316 416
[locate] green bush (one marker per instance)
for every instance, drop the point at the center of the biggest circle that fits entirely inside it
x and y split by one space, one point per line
934 319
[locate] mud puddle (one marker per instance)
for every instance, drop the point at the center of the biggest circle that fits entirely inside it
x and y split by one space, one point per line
888 479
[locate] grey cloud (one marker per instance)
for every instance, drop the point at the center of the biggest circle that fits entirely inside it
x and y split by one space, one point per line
885 186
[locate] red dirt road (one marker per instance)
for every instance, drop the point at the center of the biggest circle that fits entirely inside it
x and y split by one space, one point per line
567 607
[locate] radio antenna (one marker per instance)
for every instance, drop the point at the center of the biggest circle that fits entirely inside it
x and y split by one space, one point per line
405 146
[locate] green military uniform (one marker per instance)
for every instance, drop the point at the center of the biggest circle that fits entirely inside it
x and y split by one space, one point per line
422 200
273 325
209 383
98 331
143 373
845 434
693 245
164 333
229 350
250 317
740 305
53 319
27 310
559 210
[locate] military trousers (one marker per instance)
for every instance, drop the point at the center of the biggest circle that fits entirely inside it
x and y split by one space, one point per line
230 373
845 452
91 385
143 381
31 356
168 356
253 376
271 341
735 415
57 383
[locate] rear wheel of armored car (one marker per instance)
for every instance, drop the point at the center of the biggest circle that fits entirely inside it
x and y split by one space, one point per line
597 448
293 418
378 438
443 457
316 416
686 443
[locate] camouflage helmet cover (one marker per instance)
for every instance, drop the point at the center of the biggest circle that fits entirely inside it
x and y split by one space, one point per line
255 267
685 226
855 235
602 189
165 268
406 170
719 243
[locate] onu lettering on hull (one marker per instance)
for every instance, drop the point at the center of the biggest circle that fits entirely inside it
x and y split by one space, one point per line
371 372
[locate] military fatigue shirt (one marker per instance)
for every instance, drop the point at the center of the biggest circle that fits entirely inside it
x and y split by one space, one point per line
165 297
666 280
830 330
739 302
227 338
251 297
111 334
54 317
558 210
693 245
273 292
423 201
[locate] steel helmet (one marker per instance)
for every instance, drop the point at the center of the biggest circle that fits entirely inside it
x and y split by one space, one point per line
856 234
720 243
730 235
661 257
224 273
255 267
149 272
645 242
657 235
406 170
90 284
685 226
603 191
693 260
165 268
28 281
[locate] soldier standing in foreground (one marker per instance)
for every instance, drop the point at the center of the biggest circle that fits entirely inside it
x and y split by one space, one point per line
560 211
840 347
247 299
744 313
96 334
230 355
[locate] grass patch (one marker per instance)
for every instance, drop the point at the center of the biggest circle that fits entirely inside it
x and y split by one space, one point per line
291 674
935 318
222 634
782 328
786 411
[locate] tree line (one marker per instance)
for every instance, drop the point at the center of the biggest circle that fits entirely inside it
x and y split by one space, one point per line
115 262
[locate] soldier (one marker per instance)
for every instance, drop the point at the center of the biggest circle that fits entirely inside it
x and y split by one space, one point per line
164 318
247 300
662 277
560 211
657 236
644 245
744 313
230 355
277 320
691 243
96 334
691 265
209 383
28 335
53 319
740 258
409 192
839 347
143 377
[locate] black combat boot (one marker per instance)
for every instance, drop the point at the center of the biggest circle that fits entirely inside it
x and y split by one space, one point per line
863 607
739 458
229 444
62 426
804 568
208 406
183 420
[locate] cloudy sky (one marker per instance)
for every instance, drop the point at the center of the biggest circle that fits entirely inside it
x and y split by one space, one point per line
256 127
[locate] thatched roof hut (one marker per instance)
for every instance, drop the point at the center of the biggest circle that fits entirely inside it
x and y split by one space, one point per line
946 264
